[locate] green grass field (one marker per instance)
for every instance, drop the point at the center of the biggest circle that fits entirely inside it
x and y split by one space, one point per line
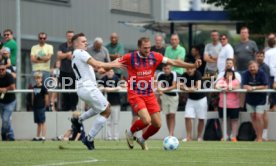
117 154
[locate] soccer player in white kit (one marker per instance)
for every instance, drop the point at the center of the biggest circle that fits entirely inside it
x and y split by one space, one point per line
83 66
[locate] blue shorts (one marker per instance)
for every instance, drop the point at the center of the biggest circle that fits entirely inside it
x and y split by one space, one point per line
39 115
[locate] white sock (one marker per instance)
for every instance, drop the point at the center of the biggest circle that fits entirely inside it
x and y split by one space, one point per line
129 133
89 113
96 127
142 139
264 134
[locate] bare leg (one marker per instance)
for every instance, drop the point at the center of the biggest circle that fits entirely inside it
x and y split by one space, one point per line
171 123
200 127
234 126
188 123
43 127
38 130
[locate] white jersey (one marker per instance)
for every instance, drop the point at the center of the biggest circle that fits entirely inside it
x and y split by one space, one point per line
83 71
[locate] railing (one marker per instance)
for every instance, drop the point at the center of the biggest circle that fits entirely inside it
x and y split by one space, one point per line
180 91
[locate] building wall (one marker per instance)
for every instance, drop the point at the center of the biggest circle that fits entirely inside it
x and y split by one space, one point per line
93 17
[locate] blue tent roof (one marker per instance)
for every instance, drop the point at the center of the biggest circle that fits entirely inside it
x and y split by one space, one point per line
199 16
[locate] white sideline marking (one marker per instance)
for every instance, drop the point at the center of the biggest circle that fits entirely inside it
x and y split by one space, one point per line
70 163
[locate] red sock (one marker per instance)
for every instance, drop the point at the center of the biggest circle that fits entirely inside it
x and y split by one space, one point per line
150 131
137 125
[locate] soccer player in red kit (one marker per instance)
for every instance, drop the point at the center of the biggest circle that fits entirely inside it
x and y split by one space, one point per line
141 66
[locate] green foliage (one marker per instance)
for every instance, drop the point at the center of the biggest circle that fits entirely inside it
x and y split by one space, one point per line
258 15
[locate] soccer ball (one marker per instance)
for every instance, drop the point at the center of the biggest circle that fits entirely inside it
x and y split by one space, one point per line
170 143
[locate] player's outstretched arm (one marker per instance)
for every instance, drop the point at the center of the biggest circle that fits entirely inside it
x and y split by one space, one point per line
180 63
97 64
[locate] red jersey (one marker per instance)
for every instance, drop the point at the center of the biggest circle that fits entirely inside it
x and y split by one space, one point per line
141 72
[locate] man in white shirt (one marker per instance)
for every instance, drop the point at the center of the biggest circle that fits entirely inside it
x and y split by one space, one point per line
83 66
227 51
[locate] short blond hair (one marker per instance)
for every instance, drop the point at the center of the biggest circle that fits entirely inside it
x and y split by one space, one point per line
76 114
38 74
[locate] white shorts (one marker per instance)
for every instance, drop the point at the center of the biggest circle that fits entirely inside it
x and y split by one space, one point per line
169 104
196 108
92 96
255 109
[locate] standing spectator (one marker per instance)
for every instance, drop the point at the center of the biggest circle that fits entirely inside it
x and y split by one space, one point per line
255 79
245 50
169 101
116 50
270 60
175 51
211 53
41 56
100 53
67 77
40 100
265 68
225 52
228 83
158 47
7 103
269 36
55 73
196 106
11 44
195 54
110 83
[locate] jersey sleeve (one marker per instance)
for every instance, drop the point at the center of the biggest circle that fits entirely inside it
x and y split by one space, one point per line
160 58
84 55
125 59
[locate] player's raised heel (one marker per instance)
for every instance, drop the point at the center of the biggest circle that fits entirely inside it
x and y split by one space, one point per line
130 140
88 144
142 144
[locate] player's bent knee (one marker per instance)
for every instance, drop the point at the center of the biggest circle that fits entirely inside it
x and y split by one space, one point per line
107 112
146 121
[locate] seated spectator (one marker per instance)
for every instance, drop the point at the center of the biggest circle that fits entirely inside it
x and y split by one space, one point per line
110 85
5 58
255 79
40 100
7 103
228 83
196 106
169 101
76 132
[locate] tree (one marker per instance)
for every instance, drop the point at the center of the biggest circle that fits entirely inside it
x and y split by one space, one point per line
258 15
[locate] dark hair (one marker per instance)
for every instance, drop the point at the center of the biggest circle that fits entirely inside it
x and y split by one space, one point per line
251 62
76 36
8 30
165 65
229 71
244 27
214 31
271 42
42 33
2 63
260 52
197 47
223 35
230 59
69 31
141 40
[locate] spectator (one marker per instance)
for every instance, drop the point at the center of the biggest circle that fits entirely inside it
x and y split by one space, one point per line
269 36
76 132
169 101
100 53
265 68
5 58
158 47
270 60
110 83
225 52
40 100
11 44
41 57
116 50
67 77
195 54
255 79
7 103
55 73
228 83
175 51
196 106
211 53
245 50
229 65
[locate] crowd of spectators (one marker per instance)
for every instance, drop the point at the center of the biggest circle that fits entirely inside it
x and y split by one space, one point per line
231 66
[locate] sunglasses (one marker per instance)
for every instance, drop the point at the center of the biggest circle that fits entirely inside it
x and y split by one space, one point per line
42 38
6 34
3 69
222 38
